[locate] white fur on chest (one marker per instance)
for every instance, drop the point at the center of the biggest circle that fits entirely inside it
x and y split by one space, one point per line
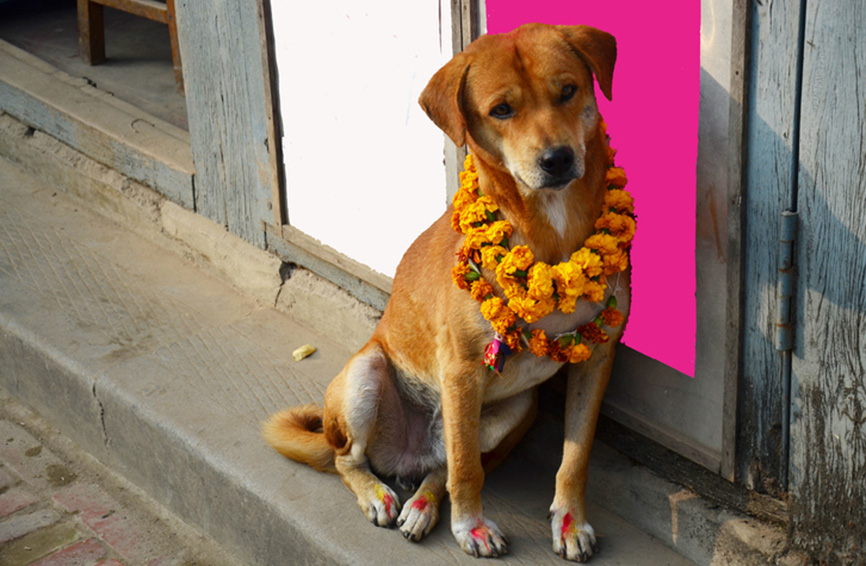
553 205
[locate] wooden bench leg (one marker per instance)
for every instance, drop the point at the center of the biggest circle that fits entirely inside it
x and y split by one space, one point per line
91 32
175 48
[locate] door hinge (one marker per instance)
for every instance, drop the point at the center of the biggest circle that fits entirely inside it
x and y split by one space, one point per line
785 283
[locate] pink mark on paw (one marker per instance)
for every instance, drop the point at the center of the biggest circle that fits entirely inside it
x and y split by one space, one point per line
420 504
385 498
479 533
567 523
389 502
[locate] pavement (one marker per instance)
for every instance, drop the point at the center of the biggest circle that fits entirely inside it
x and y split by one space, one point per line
59 507
162 372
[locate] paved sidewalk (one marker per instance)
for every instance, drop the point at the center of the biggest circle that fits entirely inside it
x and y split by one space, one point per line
60 507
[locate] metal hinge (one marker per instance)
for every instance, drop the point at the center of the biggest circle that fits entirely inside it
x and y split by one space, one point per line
785 284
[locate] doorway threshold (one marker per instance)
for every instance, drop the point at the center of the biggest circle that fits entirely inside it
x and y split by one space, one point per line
96 123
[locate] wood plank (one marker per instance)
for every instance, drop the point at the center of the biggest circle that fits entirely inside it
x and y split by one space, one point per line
360 281
769 191
150 9
828 451
97 124
228 119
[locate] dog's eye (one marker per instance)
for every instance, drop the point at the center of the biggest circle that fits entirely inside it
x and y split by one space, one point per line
568 92
502 111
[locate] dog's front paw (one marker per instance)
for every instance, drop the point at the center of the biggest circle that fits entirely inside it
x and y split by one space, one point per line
381 506
420 514
573 540
480 537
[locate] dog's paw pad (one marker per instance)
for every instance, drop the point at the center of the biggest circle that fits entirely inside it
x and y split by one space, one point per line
481 538
572 540
383 507
419 516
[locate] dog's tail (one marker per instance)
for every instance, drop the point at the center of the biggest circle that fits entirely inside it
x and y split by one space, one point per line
297 434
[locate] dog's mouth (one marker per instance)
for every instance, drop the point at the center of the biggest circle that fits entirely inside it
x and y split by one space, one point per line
559 183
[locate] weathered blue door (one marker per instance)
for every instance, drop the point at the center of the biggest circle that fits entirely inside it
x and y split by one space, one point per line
802 417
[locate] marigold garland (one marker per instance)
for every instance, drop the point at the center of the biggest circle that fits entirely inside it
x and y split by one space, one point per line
534 289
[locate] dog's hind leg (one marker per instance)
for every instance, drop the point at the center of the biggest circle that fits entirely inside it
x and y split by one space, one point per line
421 512
351 409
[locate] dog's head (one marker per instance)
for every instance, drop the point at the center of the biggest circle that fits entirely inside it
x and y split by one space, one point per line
525 101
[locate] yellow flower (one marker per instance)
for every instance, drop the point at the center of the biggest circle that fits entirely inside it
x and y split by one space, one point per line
615 177
589 262
463 198
475 238
529 309
468 179
476 212
570 283
518 259
498 230
469 164
540 281
490 256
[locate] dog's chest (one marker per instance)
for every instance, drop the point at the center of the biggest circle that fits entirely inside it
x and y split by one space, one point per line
525 370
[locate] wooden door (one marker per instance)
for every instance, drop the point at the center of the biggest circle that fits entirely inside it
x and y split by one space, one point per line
828 416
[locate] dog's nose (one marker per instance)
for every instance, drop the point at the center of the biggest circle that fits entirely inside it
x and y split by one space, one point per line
557 161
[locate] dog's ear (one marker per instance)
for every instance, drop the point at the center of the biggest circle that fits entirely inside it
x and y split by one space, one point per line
598 49
442 98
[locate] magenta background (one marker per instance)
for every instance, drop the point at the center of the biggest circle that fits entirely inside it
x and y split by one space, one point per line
653 123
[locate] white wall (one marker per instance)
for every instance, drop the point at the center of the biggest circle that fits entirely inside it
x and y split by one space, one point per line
364 165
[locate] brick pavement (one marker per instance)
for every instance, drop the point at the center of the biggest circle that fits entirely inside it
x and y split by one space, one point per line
60 507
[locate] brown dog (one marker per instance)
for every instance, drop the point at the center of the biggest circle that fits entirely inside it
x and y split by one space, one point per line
416 401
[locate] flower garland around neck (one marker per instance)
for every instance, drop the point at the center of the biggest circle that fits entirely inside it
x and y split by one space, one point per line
534 289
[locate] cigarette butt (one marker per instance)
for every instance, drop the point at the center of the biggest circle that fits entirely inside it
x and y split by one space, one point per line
303 352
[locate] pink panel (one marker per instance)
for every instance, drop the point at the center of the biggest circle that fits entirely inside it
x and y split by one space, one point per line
653 123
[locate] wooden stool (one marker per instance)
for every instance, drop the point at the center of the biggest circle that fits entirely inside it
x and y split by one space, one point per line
91 32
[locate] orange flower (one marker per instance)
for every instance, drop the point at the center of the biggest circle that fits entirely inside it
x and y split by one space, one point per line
481 289
614 263
592 333
578 353
497 312
538 343
604 243
615 177
458 274
612 317
619 225
619 200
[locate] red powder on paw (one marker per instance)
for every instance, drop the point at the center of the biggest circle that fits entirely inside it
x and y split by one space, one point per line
420 504
566 524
